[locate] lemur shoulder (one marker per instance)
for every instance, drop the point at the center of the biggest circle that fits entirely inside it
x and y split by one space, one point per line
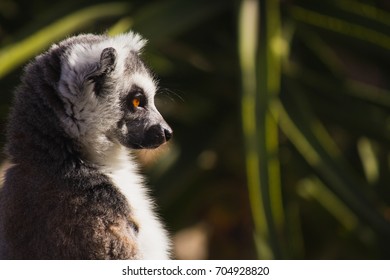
73 191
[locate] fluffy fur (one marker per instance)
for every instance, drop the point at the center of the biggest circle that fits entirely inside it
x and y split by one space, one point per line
73 191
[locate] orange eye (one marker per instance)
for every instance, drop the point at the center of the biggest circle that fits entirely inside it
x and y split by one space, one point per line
136 102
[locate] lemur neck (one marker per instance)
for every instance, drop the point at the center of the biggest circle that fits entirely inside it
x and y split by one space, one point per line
111 157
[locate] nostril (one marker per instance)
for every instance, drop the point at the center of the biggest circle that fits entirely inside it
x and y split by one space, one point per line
168 134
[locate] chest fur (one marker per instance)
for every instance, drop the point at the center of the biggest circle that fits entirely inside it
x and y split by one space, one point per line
152 238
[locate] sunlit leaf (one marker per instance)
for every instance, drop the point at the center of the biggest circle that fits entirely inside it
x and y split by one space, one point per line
18 53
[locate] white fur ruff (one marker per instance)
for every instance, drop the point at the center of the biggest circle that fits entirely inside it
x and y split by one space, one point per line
152 238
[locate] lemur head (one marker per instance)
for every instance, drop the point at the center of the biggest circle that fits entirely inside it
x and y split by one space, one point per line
108 94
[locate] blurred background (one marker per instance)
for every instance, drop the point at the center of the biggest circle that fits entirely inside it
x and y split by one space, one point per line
280 111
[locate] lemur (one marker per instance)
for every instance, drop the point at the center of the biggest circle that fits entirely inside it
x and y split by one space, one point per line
74 190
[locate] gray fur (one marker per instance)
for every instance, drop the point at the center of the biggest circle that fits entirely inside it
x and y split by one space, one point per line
64 196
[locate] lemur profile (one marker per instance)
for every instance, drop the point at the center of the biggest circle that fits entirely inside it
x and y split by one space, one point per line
73 191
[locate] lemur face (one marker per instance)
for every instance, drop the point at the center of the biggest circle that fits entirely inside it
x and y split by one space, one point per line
109 95
141 126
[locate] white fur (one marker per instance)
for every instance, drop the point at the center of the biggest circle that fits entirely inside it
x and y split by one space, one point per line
153 241
82 55
146 83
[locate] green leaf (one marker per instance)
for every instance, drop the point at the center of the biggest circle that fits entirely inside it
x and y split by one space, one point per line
260 69
165 19
316 146
339 25
12 56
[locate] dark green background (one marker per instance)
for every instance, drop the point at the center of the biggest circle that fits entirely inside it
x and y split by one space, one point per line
332 101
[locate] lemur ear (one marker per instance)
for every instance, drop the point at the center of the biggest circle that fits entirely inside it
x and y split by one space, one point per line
108 60
106 65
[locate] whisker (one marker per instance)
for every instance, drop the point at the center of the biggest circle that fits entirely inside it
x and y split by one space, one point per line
172 95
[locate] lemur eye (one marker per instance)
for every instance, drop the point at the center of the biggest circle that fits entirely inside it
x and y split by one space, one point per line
137 99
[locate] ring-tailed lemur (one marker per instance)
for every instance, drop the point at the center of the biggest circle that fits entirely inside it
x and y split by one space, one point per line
73 191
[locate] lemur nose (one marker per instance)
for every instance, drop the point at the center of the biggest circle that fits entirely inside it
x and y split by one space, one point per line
168 134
